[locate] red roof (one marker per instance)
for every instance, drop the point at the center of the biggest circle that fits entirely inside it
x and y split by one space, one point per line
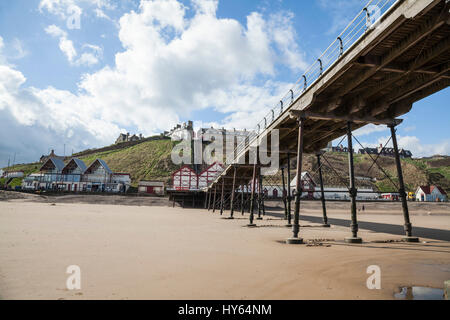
426 189
440 190
429 189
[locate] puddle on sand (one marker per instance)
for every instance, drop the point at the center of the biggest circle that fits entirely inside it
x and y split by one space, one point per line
420 293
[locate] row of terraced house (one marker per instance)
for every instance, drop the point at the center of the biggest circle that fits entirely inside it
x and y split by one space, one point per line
75 176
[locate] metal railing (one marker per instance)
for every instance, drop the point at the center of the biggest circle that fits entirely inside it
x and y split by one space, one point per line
356 29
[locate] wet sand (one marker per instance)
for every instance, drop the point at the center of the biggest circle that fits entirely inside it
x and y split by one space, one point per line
129 252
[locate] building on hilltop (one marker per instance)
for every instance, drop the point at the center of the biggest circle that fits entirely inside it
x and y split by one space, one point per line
127 138
52 154
386 152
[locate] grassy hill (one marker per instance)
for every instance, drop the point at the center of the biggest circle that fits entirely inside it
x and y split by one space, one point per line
151 160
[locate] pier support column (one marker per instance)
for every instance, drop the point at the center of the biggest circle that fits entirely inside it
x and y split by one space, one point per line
215 195
209 199
284 194
402 191
206 199
353 191
252 198
322 193
242 199
259 195
289 198
233 194
262 197
298 187
222 197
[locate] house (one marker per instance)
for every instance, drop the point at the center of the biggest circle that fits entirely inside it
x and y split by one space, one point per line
210 174
307 182
151 187
386 152
368 151
52 154
51 174
76 176
341 149
431 194
127 138
185 179
72 174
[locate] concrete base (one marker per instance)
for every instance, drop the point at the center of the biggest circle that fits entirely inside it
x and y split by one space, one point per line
326 226
447 290
410 239
288 226
251 225
353 240
228 218
294 241
259 218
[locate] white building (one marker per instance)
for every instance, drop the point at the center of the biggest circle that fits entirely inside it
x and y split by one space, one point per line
430 194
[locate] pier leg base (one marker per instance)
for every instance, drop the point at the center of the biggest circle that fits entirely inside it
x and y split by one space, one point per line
294 241
251 225
410 239
447 290
288 226
326 225
353 240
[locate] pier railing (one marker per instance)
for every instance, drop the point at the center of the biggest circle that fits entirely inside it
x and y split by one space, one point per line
365 21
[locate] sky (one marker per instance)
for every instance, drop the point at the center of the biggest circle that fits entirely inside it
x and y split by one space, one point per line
76 73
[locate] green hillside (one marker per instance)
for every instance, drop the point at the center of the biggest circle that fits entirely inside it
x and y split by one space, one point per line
150 160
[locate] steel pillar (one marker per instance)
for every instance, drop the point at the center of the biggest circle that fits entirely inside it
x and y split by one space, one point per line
298 187
206 200
209 199
252 198
262 196
242 199
402 191
259 195
215 195
233 194
353 191
322 193
284 194
222 197
289 198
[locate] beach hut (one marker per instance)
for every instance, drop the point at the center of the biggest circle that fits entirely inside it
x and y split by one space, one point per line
209 175
185 179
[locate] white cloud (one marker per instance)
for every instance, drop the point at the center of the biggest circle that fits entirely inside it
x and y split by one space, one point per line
171 66
65 45
91 56
369 129
61 8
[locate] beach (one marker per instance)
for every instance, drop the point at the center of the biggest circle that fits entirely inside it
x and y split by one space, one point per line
160 252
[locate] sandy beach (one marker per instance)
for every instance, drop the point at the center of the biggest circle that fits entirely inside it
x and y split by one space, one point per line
159 252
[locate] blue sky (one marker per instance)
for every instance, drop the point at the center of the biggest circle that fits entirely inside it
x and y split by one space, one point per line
143 67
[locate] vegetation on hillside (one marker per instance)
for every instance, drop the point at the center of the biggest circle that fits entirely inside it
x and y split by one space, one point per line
151 160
